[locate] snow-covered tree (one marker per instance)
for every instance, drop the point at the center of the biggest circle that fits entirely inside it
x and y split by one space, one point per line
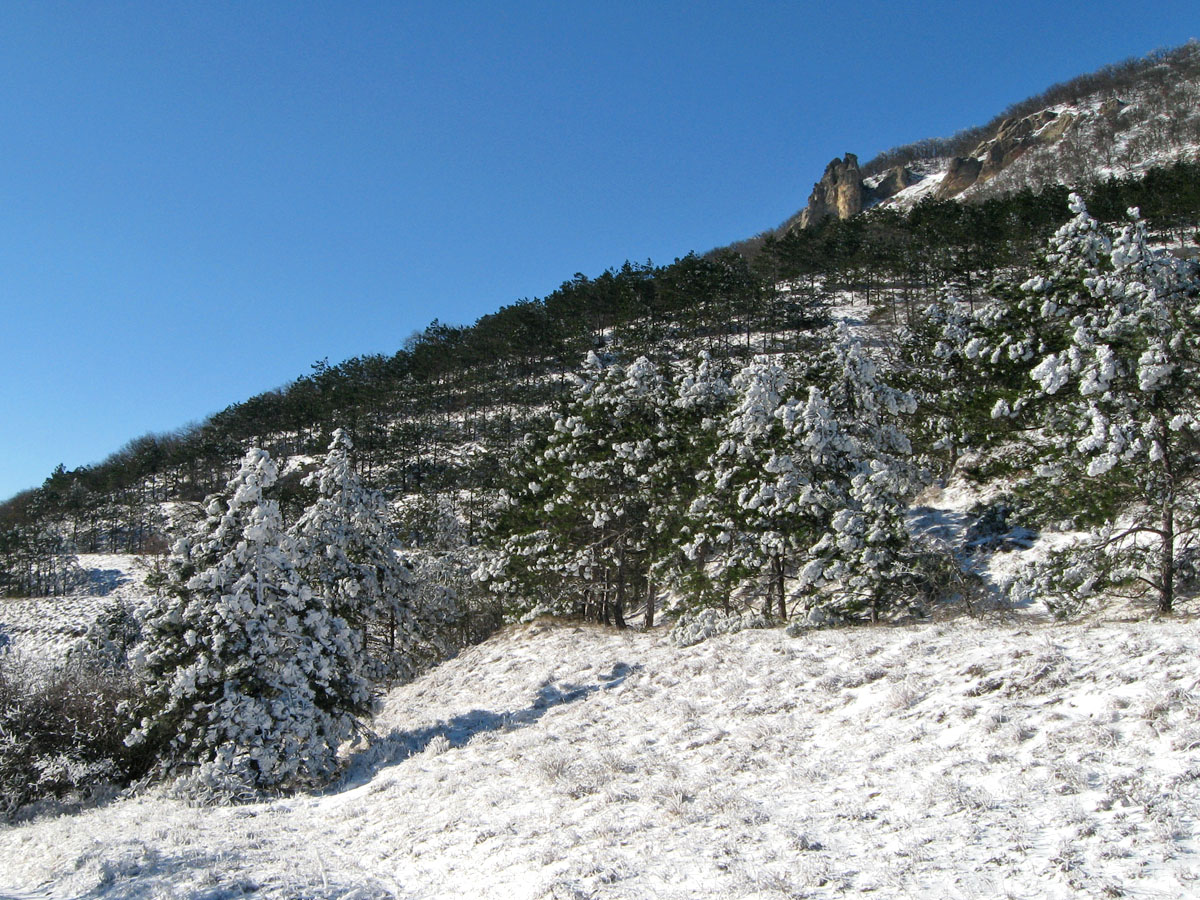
252 679
742 524
1110 331
577 530
700 397
345 548
940 349
441 561
810 488
857 478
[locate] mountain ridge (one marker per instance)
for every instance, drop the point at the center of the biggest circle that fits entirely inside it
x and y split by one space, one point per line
1098 120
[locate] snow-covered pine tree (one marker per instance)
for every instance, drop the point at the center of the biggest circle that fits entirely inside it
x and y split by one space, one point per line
700 398
741 527
580 510
1111 330
345 548
811 488
940 349
439 563
249 675
854 463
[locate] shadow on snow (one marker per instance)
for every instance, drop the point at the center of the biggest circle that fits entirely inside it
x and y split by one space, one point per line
397 745
102 582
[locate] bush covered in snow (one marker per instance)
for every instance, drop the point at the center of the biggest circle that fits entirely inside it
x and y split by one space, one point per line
699 625
61 732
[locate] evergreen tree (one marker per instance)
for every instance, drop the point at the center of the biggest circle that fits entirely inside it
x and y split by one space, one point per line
857 479
812 489
940 349
1110 331
699 400
250 675
344 548
580 510
741 525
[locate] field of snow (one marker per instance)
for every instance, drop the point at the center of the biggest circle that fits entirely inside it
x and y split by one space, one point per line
556 761
46 627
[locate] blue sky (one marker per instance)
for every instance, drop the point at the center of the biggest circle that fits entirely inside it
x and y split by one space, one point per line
199 200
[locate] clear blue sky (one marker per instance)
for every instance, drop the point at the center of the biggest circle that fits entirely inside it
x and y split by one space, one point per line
199 200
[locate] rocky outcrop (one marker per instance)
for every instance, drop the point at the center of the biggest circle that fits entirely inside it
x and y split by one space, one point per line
1011 141
1056 129
1111 108
839 193
963 172
896 180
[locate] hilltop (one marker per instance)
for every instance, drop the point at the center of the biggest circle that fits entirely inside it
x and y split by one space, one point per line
1120 121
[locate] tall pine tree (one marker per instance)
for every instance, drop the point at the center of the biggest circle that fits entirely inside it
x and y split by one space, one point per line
250 674
345 548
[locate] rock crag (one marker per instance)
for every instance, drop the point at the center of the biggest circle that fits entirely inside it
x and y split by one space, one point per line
1013 139
839 193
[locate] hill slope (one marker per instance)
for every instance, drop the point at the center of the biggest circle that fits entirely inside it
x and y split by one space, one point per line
570 762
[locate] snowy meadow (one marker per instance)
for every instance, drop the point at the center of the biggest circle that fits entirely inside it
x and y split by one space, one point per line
565 761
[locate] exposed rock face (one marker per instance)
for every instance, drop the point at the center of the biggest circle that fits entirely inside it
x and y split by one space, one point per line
1057 128
1012 139
1111 108
839 193
963 172
896 180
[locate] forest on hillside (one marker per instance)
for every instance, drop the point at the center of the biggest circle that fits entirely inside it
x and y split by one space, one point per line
427 420
736 462
731 440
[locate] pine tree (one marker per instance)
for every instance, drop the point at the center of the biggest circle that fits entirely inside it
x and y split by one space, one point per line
858 478
699 400
246 667
577 529
741 525
941 369
345 549
1110 331
810 489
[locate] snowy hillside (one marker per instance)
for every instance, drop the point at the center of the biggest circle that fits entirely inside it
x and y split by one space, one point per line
555 761
1120 122
46 627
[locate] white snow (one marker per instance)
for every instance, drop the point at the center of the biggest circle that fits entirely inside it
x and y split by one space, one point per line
47 626
949 760
929 175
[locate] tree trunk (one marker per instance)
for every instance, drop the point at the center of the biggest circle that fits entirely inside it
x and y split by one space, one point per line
619 603
781 565
1166 597
649 619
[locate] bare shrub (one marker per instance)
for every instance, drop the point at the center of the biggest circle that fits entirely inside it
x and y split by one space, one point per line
62 733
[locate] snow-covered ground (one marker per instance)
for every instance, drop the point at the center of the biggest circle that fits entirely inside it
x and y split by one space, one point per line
556 761
46 627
